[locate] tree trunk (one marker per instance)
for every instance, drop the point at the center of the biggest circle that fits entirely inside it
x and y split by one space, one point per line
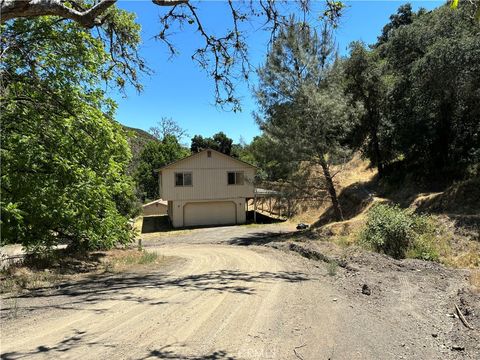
376 150
331 190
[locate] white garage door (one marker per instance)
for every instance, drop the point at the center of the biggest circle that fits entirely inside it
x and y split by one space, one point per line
209 213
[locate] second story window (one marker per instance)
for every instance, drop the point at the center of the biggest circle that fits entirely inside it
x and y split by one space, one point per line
235 178
183 179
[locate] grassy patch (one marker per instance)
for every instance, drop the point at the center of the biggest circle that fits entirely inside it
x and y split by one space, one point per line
122 260
39 273
332 268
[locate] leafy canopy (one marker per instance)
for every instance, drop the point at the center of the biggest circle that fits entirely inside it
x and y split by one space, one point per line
64 158
156 154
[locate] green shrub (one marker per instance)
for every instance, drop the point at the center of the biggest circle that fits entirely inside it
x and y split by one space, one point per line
423 248
400 233
332 267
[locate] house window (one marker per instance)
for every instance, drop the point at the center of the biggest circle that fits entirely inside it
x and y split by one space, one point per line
235 178
183 179
209 153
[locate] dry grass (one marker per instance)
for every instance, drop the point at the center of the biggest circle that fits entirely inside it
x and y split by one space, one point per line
357 170
468 257
137 224
129 260
455 244
156 235
20 278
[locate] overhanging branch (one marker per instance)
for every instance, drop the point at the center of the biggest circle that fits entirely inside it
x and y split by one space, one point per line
11 9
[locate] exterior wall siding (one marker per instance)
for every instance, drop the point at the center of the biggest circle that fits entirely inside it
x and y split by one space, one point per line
154 209
209 179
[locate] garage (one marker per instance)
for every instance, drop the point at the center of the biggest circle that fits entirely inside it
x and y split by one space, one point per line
209 213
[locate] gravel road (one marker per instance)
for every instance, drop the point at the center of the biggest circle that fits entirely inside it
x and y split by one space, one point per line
214 301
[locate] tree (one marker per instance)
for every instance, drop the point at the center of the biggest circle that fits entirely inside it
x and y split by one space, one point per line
366 83
304 112
167 127
223 56
219 142
434 106
404 16
64 158
156 154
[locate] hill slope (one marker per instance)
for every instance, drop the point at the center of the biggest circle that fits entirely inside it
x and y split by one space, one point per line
455 210
137 138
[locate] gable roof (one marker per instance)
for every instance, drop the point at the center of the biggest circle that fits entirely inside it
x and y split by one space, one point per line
159 201
200 152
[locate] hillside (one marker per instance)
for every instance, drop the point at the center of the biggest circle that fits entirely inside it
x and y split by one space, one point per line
455 210
137 138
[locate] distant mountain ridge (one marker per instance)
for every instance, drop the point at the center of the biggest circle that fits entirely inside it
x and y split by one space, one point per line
137 139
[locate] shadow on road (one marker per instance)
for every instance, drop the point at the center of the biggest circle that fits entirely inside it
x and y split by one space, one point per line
80 340
265 237
97 288
74 341
164 353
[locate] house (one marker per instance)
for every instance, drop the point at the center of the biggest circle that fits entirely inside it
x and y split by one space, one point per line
207 188
155 208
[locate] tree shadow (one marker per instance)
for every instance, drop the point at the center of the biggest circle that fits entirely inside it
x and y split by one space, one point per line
265 237
98 288
76 340
165 353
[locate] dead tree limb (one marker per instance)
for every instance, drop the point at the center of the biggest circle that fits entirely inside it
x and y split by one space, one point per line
462 317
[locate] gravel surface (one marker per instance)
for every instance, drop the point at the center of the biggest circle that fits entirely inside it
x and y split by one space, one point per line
242 293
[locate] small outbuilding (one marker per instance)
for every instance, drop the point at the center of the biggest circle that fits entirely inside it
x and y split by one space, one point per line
155 208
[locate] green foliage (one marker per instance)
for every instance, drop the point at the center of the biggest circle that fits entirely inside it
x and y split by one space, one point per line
64 158
220 142
154 155
366 82
417 88
404 16
137 139
433 106
400 233
305 114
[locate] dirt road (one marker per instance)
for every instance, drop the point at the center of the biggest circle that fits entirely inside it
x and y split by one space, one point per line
213 301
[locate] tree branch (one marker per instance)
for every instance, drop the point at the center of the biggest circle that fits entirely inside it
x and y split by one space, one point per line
88 18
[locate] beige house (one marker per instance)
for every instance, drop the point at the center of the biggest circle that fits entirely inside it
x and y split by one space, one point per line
155 208
207 188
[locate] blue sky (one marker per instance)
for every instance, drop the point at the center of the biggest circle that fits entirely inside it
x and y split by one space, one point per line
179 89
